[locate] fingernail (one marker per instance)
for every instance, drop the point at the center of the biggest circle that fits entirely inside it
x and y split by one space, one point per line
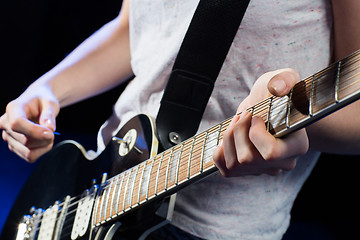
47 121
256 119
278 85
234 119
243 114
47 134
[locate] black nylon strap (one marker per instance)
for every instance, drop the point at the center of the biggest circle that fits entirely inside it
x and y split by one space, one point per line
198 63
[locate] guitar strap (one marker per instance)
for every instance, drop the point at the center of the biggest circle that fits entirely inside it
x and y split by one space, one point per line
197 65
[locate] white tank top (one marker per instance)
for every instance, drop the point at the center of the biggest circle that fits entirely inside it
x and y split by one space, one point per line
274 34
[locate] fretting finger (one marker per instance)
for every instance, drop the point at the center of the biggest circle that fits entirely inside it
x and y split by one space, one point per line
276 150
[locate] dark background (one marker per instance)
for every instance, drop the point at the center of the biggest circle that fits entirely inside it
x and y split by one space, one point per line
35 35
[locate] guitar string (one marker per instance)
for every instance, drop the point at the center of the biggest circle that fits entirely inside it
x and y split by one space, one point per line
60 205
262 107
195 156
74 203
279 106
67 230
144 166
135 183
67 225
69 213
65 216
282 104
164 167
75 209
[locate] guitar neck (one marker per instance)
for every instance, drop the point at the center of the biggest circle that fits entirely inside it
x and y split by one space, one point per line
313 98
310 100
160 175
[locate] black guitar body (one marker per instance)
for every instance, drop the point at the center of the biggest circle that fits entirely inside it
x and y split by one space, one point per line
66 171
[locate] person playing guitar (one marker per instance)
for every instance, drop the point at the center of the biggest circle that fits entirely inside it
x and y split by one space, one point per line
259 176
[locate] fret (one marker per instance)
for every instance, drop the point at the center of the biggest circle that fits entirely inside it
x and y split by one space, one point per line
132 184
100 206
141 182
211 144
96 212
158 174
300 102
113 195
190 156
102 203
219 133
349 83
178 165
163 175
125 190
135 189
167 168
117 203
288 109
311 104
268 124
324 94
337 81
202 152
113 189
172 167
279 114
154 176
107 200
182 164
148 181
252 109
196 155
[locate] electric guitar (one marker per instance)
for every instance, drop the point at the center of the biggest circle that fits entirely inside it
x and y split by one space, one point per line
138 194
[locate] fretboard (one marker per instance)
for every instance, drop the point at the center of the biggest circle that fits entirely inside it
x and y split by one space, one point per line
310 100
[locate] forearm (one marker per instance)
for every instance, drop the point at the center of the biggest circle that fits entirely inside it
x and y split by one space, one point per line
340 132
346 27
98 64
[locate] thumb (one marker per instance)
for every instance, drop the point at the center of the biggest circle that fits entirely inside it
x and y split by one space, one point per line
281 83
48 116
2 121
